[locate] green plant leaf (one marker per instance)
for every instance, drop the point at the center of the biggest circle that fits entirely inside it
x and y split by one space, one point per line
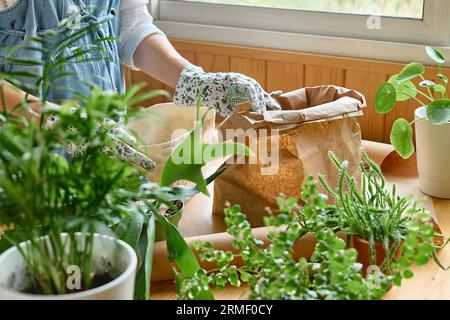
143 276
427 84
181 254
408 274
438 111
439 88
410 72
187 160
402 138
130 227
385 98
443 77
435 54
405 91
181 192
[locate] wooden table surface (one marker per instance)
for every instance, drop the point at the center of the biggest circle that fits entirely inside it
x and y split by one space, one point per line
429 282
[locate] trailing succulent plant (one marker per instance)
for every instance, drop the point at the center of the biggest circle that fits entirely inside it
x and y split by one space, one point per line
273 272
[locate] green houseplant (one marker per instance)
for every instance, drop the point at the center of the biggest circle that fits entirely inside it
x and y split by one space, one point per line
80 195
130 207
384 227
273 273
334 271
57 202
141 232
431 121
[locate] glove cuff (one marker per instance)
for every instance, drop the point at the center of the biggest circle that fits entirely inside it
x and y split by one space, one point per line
187 88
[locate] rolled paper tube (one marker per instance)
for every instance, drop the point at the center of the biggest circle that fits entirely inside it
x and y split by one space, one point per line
377 152
162 269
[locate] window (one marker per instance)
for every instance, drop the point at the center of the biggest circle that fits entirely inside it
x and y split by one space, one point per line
393 30
388 8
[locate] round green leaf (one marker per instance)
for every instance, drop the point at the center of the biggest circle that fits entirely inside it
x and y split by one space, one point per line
438 111
421 259
408 274
436 55
439 88
385 98
402 138
427 84
410 72
405 91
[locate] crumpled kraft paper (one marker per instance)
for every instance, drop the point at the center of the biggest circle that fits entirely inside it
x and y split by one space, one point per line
313 122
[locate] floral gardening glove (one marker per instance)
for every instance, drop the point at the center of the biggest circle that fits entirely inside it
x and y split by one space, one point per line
122 140
222 91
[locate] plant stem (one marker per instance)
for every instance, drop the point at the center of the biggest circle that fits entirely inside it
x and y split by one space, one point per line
430 97
412 97
428 88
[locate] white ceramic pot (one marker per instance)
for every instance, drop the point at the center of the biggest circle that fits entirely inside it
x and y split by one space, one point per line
433 156
110 256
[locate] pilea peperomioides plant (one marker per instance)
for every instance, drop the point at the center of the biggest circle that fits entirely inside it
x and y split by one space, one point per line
431 94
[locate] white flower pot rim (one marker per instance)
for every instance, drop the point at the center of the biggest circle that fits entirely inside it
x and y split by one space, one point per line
421 114
131 268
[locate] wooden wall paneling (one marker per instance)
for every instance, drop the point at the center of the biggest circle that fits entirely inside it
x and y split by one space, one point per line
284 76
318 75
188 55
287 70
372 124
150 84
213 62
255 68
308 59
127 75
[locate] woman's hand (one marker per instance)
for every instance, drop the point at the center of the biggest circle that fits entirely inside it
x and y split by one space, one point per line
123 143
222 91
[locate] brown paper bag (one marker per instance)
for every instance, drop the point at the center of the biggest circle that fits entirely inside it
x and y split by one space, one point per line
313 122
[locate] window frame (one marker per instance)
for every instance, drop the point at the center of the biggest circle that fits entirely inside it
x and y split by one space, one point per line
434 29
185 25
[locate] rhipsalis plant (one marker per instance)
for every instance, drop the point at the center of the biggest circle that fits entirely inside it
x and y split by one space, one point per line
376 213
432 93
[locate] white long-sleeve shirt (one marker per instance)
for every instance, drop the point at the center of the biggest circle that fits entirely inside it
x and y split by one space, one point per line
136 24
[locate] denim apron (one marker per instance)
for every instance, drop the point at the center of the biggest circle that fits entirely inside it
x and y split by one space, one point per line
40 18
